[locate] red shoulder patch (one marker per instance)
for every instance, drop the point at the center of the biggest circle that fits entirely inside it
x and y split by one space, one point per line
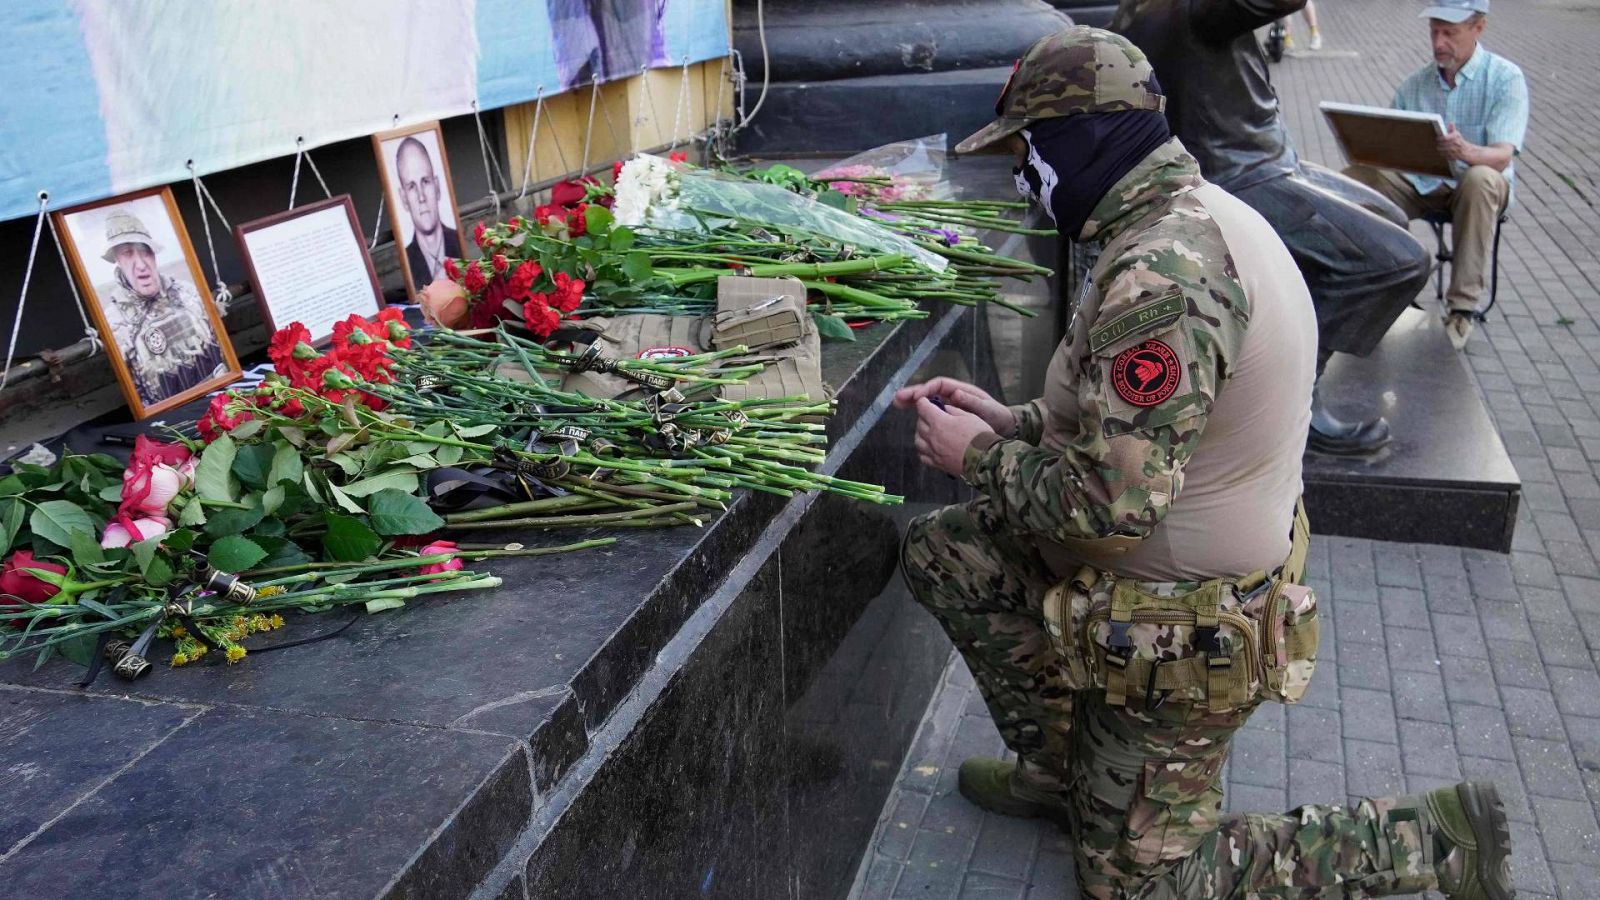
1146 374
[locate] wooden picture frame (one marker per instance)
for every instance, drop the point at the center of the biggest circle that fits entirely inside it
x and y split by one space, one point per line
400 198
317 269
147 354
1384 138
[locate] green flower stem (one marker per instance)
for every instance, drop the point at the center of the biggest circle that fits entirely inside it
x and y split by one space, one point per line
815 270
509 510
574 521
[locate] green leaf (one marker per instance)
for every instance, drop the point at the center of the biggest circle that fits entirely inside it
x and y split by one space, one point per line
636 266
111 493
348 463
193 512
621 239
159 573
12 485
79 650
234 553
58 521
253 462
247 429
269 528
309 481
179 541
348 539
282 552
235 521
597 219
86 549
472 431
144 552
343 499
833 328
834 199
448 454
383 603
286 464
12 512
395 512
395 479
272 499
213 477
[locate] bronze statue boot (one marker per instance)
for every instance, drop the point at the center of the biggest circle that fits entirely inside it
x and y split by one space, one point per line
1337 437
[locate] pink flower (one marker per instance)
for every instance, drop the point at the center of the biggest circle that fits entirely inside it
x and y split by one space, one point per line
434 549
118 534
154 477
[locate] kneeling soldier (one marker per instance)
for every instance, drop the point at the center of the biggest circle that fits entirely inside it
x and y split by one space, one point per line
1126 587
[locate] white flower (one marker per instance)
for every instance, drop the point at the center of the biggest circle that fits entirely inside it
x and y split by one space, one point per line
644 182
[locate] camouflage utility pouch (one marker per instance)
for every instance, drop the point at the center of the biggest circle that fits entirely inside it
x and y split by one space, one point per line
1217 645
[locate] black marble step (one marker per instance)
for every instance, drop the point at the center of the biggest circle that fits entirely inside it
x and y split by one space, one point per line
1446 477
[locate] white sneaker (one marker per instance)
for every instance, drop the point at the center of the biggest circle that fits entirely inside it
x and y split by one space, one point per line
1316 40
1458 325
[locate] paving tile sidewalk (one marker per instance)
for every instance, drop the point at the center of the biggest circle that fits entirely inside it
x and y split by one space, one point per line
1441 663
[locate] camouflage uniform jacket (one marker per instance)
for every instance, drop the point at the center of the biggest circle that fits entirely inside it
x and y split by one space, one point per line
167 340
1101 455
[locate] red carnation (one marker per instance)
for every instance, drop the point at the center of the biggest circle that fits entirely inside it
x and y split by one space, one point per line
500 263
491 308
281 350
516 222
480 233
577 222
474 281
678 156
217 421
343 330
568 293
523 278
452 269
616 171
539 317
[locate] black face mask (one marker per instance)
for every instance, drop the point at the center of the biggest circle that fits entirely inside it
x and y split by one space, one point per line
1074 160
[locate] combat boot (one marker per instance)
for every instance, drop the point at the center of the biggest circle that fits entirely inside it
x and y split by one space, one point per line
1455 838
1010 789
1472 843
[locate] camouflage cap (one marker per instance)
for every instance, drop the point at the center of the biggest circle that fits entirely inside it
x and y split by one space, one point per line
1076 70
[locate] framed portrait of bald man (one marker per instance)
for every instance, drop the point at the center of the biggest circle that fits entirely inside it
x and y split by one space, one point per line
421 201
142 283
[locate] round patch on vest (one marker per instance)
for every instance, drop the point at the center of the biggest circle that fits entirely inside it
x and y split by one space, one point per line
1147 374
664 352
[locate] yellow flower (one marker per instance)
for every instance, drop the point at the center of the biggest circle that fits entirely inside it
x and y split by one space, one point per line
179 631
277 621
259 623
180 659
271 590
235 653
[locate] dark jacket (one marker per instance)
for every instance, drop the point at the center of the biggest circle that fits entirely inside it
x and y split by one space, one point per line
419 263
1220 100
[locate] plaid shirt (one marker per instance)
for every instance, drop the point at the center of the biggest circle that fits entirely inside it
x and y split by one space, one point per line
1488 105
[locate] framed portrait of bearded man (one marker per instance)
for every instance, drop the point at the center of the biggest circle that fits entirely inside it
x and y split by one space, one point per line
142 283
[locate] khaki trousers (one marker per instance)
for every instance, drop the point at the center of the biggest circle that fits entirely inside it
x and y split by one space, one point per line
1474 205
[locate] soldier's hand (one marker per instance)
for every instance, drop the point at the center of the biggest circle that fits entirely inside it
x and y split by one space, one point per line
961 395
943 435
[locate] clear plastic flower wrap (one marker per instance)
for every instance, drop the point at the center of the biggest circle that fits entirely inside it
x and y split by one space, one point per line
653 194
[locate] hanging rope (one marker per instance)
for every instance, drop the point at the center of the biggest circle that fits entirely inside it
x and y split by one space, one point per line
221 295
680 103
300 152
27 276
588 131
645 96
489 171
90 333
611 128
533 140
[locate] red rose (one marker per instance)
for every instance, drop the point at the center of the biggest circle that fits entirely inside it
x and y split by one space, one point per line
22 585
491 308
480 234
474 278
500 263
569 193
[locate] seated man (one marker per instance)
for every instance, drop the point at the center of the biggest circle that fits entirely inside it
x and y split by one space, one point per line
1484 102
1352 247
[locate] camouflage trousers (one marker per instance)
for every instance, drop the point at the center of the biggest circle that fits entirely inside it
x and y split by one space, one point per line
1142 787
